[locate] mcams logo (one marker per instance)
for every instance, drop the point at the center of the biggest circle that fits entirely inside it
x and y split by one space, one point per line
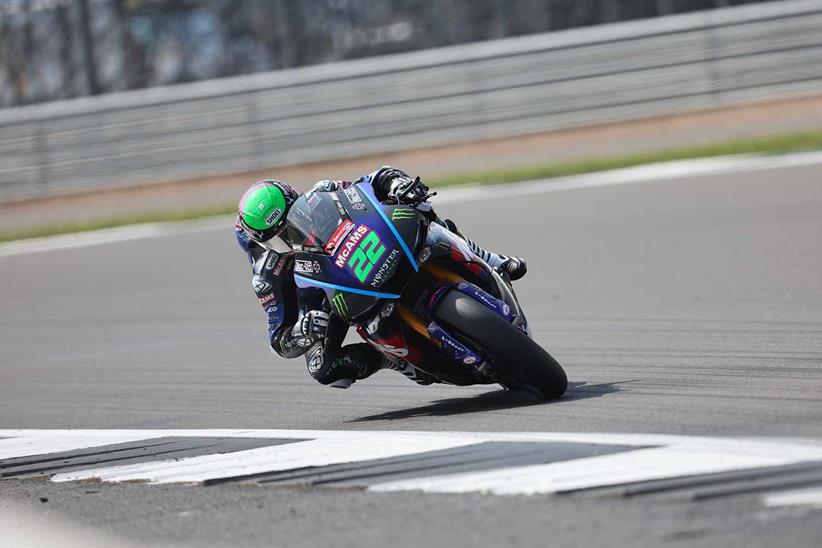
349 245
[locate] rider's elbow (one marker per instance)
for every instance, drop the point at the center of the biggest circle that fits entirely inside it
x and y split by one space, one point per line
280 346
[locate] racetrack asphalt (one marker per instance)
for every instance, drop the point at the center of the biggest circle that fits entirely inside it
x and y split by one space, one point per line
684 306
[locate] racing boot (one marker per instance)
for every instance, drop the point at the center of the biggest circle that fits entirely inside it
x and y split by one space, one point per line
354 362
368 369
514 267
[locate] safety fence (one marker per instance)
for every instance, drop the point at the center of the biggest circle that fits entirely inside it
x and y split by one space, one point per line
63 49
577 77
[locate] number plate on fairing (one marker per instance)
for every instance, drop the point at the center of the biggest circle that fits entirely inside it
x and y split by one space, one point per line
363 252
365 255
360 252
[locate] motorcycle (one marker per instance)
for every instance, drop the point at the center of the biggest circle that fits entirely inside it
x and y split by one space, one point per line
415 291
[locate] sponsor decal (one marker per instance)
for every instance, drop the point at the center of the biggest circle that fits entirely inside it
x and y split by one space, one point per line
386 269
340 305
303 267
342 231
396 347
268 300
452 346
340 208
352 195
271 260
273 216
280 264
358 207
497 305
315 359
346 248
313 200
316 266
485 299
392 350
369 249
260 285
402 214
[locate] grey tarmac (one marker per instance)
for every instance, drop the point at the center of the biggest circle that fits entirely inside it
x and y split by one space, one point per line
687 306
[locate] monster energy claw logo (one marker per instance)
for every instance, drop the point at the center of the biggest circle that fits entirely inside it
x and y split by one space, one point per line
402 214
339 305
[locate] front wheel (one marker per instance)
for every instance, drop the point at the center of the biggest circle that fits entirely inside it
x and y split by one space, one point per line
515 352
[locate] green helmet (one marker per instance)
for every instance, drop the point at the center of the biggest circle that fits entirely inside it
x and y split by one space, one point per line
264 207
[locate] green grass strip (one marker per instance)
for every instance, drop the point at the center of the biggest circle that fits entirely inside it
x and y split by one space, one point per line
768 145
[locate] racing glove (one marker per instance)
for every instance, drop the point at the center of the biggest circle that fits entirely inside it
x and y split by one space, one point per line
310 328
405 190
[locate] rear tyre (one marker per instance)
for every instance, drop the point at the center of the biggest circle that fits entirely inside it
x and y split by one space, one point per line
519 355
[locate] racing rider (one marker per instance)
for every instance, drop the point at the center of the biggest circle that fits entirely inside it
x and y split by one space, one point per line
299 322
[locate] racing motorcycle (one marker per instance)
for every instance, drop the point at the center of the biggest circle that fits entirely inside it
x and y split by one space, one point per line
415 291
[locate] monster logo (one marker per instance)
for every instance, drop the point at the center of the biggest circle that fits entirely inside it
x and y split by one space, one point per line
340 305
401 214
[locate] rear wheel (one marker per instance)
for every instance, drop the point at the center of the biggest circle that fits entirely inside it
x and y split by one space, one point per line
519 356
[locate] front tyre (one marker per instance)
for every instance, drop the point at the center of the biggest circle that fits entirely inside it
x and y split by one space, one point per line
515 352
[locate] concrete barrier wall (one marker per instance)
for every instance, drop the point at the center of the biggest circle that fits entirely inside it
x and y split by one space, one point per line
566 79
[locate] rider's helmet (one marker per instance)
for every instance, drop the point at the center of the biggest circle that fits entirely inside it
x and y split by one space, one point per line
263 210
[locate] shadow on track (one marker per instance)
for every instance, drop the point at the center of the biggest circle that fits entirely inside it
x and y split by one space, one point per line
492 401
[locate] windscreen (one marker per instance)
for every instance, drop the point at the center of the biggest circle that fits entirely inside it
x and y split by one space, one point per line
314 218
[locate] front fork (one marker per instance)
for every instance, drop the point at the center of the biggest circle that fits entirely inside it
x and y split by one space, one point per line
440 337
507 309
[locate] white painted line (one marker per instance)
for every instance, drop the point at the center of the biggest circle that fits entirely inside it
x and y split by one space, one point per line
803 497
26 446
656 457
658 172
113 235
614 469
640 174
809 448
319 452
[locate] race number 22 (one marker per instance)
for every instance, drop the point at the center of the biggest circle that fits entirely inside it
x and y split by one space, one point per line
366 255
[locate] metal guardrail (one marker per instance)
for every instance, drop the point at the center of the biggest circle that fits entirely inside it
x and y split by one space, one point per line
583 76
